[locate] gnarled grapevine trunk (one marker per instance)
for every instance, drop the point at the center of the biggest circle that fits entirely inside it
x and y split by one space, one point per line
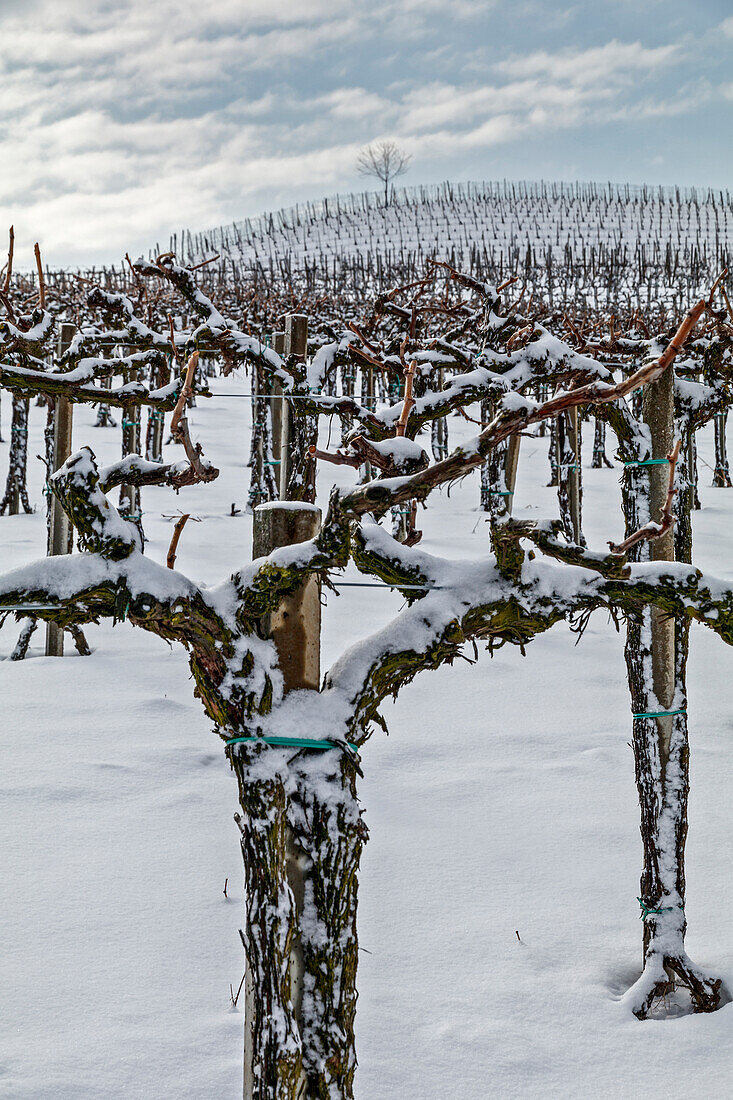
154 435
129 505
303 434
656 659
302 838
498 472
721 474
16 492
600 458
439 428
569 479
552 454
105 418
262 478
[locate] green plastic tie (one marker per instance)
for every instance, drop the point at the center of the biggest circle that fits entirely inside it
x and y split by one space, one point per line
23 430
130 423
273 462
649 462
122 606
294 742
502 492
651 911
661 713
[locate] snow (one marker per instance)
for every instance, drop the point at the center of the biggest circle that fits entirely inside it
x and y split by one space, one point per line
290 505
494 807
399 448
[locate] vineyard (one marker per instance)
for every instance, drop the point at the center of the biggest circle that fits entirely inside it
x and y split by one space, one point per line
581 246
347 470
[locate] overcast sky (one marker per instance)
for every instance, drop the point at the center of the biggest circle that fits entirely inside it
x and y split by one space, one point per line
123 120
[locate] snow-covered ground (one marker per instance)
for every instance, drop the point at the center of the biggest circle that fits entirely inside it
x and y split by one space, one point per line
503 801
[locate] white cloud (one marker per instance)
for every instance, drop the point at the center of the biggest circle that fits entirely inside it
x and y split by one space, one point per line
592 65
353 103
121 120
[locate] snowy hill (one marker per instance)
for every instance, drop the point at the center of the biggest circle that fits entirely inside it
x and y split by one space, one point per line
564 237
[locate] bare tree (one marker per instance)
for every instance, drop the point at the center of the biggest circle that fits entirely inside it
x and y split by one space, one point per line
385 161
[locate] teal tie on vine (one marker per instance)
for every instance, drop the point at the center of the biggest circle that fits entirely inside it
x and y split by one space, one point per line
122 606
661 713
649 462
295 743
651 911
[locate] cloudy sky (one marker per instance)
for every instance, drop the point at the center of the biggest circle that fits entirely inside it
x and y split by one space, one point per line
123 120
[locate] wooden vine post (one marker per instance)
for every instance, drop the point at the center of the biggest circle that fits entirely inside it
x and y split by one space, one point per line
567 453
658 413
510 469
295 629
721 474
574 479
60 536
295 343
499 472
276 402
129 503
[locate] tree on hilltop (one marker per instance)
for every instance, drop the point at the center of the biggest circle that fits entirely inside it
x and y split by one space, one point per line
385 161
